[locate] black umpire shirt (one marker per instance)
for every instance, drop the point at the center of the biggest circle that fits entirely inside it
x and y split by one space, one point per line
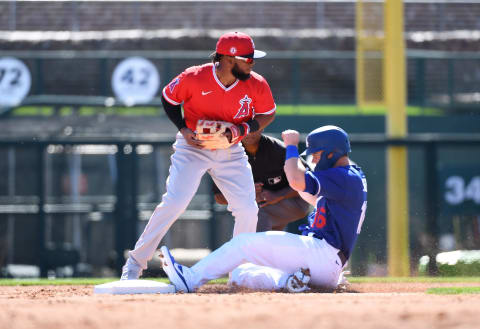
267 164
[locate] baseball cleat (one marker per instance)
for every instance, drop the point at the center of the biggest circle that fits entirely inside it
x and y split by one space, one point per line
298 281
175 272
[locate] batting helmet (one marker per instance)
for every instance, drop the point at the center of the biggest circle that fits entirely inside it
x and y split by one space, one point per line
330 139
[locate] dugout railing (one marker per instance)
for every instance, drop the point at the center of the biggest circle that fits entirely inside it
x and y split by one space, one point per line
126 209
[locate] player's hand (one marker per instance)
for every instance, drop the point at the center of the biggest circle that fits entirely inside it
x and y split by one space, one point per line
269 197
234 133
291 137
189 136
258 187
228 134
258 192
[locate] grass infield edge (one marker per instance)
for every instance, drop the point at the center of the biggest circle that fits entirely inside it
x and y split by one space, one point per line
96 281
453 290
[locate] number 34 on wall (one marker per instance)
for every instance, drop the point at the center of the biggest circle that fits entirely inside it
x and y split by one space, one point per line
458 190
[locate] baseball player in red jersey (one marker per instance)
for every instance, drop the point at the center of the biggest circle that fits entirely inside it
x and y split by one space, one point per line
225 94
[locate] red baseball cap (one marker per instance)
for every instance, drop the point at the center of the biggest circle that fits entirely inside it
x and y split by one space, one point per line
238 44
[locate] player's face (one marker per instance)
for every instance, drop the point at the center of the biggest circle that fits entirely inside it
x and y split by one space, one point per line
316 156
241 69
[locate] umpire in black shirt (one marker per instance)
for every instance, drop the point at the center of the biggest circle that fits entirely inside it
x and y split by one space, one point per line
278 203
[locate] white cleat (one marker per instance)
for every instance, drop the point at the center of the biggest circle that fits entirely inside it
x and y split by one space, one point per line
177 273
298 281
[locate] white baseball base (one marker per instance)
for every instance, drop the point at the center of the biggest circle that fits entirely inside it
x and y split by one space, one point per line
122 287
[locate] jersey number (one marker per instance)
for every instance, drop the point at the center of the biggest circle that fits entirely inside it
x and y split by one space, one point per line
320 219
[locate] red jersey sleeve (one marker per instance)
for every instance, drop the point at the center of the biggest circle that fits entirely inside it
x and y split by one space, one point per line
176 92
264 103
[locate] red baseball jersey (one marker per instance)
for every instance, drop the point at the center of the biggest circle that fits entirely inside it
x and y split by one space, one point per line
205 97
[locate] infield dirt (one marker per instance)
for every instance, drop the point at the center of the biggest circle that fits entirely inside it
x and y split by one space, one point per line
363 306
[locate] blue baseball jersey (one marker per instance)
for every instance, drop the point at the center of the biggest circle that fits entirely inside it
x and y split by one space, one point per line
341 205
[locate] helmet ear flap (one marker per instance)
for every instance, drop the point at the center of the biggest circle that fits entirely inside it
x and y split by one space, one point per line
333 140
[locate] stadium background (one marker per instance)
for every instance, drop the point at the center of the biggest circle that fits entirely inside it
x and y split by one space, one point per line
91 214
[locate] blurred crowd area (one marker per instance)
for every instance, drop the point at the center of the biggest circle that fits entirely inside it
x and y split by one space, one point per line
322 14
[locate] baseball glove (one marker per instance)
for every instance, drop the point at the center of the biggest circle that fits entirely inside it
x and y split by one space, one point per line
212 133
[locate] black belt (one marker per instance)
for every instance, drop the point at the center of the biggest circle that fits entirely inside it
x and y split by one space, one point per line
342 257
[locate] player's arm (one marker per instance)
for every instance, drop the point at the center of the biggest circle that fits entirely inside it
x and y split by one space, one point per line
310 198
287 193
263 121
273 197
174 113
294 169
237 132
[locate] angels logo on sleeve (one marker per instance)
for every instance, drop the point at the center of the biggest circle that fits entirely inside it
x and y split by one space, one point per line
244 110
173 84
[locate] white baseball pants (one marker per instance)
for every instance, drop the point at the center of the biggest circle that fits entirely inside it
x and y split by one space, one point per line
274 255
232 174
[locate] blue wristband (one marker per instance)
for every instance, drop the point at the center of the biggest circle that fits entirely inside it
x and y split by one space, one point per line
292 152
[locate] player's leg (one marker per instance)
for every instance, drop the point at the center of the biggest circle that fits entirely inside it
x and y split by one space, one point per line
280 250
233 176
258 277
186 170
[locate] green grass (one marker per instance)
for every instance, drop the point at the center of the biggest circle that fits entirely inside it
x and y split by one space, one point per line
281 110
349 110
453 290
412 279
95 281
33 111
